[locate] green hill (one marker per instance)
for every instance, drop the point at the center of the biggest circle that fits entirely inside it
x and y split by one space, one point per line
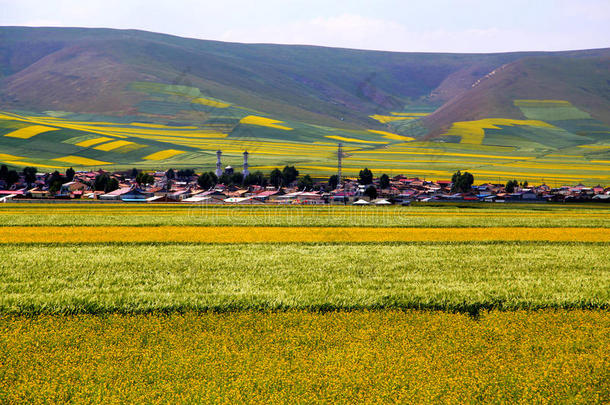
154 101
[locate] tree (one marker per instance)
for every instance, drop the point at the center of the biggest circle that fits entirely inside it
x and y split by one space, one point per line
333 182
461 182
276 178
290 174
256 178
70 174
225 179
185 173
12 177
371 192
144 178
29 174
305 183
207 180
3 172
365 177
101 182
55 181
384 181
237 178
511 185
170 174
134 173
111 185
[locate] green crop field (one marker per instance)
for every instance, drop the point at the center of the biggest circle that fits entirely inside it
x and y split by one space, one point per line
428 215
332 318
454 277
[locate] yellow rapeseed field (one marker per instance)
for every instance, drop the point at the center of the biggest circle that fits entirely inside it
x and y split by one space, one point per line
353 140
81 161
28 132
384 119
248 234
113 145
163 154
473 132
94 141
264 122
389 135
210 103
302 357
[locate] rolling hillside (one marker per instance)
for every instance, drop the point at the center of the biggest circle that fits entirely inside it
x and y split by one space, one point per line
119 99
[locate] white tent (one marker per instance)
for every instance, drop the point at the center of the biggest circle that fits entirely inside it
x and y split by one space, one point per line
361 202
381 201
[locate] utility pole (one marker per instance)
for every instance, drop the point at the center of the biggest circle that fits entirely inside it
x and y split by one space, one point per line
339 161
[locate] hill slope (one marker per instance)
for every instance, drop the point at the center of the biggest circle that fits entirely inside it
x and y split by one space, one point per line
124 98
583 81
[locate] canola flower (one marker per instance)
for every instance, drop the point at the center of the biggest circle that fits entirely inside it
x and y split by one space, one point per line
106 147
31 131
473 132
81 161
94 141
249 234
163 154
210 103
264 122
354 140
385 119
302 357
389 135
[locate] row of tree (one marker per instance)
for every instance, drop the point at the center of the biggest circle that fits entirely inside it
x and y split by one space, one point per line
276 178
461 182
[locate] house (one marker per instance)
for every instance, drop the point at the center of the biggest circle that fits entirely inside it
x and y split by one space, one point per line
73 189
116 194
136 195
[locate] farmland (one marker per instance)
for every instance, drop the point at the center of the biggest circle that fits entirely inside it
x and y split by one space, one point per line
461 303
304 357
566 148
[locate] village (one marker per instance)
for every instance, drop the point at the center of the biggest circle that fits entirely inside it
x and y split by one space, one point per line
225 186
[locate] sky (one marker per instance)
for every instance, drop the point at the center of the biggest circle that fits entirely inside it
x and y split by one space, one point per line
392 25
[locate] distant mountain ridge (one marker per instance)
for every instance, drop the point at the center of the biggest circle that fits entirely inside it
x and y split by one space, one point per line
89 70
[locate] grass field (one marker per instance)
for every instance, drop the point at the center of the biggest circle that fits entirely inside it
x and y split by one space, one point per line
417 216
170 303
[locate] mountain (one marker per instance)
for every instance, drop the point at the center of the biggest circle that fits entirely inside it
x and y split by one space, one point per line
88 70
581 78
154 100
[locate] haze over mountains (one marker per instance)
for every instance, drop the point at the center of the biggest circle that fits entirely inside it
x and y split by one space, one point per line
89 70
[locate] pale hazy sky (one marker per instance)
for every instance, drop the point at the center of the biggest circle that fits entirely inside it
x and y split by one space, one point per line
396 25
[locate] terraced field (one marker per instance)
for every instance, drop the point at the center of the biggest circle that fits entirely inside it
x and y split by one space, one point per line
116 302
557 144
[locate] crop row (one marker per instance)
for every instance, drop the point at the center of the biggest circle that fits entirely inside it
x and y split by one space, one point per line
464 277
196 215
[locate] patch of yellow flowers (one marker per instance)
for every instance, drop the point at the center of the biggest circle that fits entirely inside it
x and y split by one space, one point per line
304 357
262 234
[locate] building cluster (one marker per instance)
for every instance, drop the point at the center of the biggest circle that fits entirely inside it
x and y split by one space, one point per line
162 187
